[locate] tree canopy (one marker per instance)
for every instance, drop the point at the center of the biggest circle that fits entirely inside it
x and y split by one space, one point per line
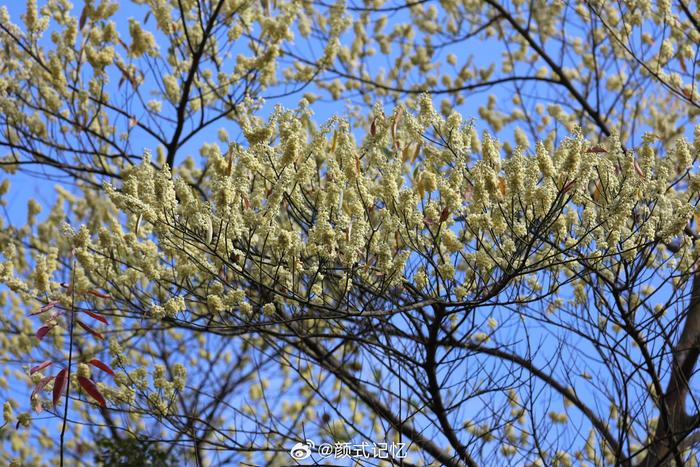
483 252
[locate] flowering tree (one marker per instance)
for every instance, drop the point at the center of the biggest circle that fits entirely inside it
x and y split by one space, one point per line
394 285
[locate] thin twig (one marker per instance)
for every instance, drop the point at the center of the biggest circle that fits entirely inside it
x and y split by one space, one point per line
70 356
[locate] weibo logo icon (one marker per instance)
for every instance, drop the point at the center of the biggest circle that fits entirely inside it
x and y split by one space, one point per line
301 451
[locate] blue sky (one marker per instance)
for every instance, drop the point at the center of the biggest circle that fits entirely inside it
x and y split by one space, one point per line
25 187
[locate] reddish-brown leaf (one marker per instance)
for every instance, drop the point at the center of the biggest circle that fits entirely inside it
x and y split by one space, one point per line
42 331
416 152
597 192
405 153
334 141
569 186
502 185
89 329
38 406
638 169
373 127
395 123
41 385
98 317
45 308
444 214
83 18
99 294
89 386
40 366
596 150
59 385
102 366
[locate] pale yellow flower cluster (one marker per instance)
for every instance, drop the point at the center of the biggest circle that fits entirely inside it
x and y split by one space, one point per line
317 200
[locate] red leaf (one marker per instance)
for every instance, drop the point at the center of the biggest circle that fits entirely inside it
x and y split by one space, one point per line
569 186
89 386
444 214
99 294
45 308
40 367
83 18
397 143
596 150
96 316
102 366
42 331
638 169
59 385
41 385
89 329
